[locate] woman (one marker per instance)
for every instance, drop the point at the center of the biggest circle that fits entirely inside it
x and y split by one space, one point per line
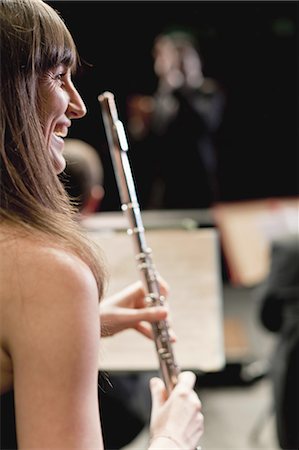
51 277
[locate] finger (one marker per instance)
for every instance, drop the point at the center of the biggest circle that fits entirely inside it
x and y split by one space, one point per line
158 393
150 314
134 293
129 318
164 286
146 329
187 378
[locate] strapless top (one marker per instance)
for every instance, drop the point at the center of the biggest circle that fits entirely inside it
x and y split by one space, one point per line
8 435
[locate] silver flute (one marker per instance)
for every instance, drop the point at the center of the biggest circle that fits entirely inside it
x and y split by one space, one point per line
118 147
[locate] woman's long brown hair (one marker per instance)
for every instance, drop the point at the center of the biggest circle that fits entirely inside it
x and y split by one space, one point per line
34 39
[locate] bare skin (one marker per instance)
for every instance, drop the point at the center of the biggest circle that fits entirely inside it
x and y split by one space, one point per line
50 297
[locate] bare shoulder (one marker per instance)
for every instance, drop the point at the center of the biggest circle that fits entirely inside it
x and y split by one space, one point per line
37 276
33 262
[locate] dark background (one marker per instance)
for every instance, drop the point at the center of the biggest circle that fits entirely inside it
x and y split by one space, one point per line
249 47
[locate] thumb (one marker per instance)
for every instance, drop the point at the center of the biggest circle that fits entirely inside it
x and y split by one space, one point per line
187 378
158 393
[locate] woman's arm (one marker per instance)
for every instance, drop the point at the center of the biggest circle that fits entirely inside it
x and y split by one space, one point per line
54 344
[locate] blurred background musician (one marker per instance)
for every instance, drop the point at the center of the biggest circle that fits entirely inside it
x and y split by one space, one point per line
83 177
176 127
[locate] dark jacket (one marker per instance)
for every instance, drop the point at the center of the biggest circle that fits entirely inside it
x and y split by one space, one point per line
279 313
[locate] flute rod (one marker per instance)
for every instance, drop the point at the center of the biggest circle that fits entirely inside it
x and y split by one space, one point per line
118 147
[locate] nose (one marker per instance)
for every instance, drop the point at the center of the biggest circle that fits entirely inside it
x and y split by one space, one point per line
76 107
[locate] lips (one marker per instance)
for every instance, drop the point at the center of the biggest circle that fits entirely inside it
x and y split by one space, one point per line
58 135
61 132
57 142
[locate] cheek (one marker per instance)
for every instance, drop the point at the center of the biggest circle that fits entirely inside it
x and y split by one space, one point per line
54 106
53 99
57 103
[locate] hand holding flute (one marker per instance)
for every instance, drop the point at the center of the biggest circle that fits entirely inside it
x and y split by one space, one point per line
176 419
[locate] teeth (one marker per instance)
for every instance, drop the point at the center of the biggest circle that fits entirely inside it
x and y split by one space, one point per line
60 134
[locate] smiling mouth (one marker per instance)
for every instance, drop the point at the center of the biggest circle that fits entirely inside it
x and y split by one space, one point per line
60 134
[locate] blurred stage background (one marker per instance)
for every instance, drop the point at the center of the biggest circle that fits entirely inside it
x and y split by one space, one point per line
249 47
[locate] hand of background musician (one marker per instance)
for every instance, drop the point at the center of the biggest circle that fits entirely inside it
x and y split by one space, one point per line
140 109
128 309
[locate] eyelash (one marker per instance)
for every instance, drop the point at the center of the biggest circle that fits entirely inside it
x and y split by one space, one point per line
60 77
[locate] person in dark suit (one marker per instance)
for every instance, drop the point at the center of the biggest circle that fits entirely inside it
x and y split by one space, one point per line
176 127
279 313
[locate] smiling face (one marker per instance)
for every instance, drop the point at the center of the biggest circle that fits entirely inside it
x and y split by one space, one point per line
61 103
